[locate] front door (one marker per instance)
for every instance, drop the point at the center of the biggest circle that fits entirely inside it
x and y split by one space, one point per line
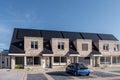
7 62
48 62
73 59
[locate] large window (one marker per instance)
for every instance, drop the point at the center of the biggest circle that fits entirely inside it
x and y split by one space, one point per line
108 60
61 45
56 59
116 60
106 47
63 59
105 60
59 59
102 60
19 60
34 44
33 60
84 47
116 47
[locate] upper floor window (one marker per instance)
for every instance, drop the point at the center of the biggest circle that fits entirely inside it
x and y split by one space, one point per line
116 47
34 44
106 47
84 47
61 45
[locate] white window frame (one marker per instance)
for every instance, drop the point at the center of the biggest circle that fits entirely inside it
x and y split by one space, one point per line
106 47
61 45
34 44
116 47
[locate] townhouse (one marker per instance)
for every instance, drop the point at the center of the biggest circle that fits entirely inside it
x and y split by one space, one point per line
53 49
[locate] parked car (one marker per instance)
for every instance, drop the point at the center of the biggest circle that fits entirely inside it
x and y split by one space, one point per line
78 69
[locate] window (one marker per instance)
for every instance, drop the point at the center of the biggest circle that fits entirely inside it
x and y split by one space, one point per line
33 60
34 44
116 47
59 59
36 60
19 60
108 60
61 45
63 59
84 47
116 60
105 60
106 47
56 59
29 60
102 60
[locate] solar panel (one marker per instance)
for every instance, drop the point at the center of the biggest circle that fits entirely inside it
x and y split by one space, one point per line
91 36
51 34
107 37
72 35
28 32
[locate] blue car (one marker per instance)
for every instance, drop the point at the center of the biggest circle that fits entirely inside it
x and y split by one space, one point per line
78 69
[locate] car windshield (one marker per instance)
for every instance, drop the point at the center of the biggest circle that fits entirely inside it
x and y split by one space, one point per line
82 66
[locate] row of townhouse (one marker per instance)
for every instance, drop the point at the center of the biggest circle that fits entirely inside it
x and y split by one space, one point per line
52 49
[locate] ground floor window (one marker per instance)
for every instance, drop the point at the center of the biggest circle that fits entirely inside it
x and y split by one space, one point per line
105 60
116 60
19 60
85 60
31 60
60 59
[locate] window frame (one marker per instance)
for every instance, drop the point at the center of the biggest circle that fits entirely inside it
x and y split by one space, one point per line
84 46
34 44
106 47
116 47
33 61
61 45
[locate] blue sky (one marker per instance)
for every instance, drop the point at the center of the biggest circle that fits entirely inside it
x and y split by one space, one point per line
97 16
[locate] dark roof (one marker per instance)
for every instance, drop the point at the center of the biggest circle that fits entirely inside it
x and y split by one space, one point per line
51 34
47 48
72 35
91 36
107 37
94 52
72 49
17 42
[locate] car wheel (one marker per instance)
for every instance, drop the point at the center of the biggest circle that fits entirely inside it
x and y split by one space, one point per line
87 74
75 73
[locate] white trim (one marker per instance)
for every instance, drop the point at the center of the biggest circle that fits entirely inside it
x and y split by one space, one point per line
47 55
96 55
75 55
16 54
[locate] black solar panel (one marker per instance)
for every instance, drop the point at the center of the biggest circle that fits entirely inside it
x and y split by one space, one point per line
28 32
72 35
107 37
51 34
91 36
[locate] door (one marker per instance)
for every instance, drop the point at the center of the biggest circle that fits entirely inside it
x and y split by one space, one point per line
7 62
73 59
48 62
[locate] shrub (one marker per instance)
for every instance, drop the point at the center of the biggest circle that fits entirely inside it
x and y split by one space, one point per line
19 67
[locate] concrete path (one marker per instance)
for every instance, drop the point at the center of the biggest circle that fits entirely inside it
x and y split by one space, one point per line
6 74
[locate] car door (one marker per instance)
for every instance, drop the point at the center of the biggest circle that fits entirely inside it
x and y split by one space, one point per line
73 68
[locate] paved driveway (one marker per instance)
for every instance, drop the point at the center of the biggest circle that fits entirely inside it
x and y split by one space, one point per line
99 74
11 74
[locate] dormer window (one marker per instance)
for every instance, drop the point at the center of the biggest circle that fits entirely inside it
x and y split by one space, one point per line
116 47
106 47
34 44
84 47
61 45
